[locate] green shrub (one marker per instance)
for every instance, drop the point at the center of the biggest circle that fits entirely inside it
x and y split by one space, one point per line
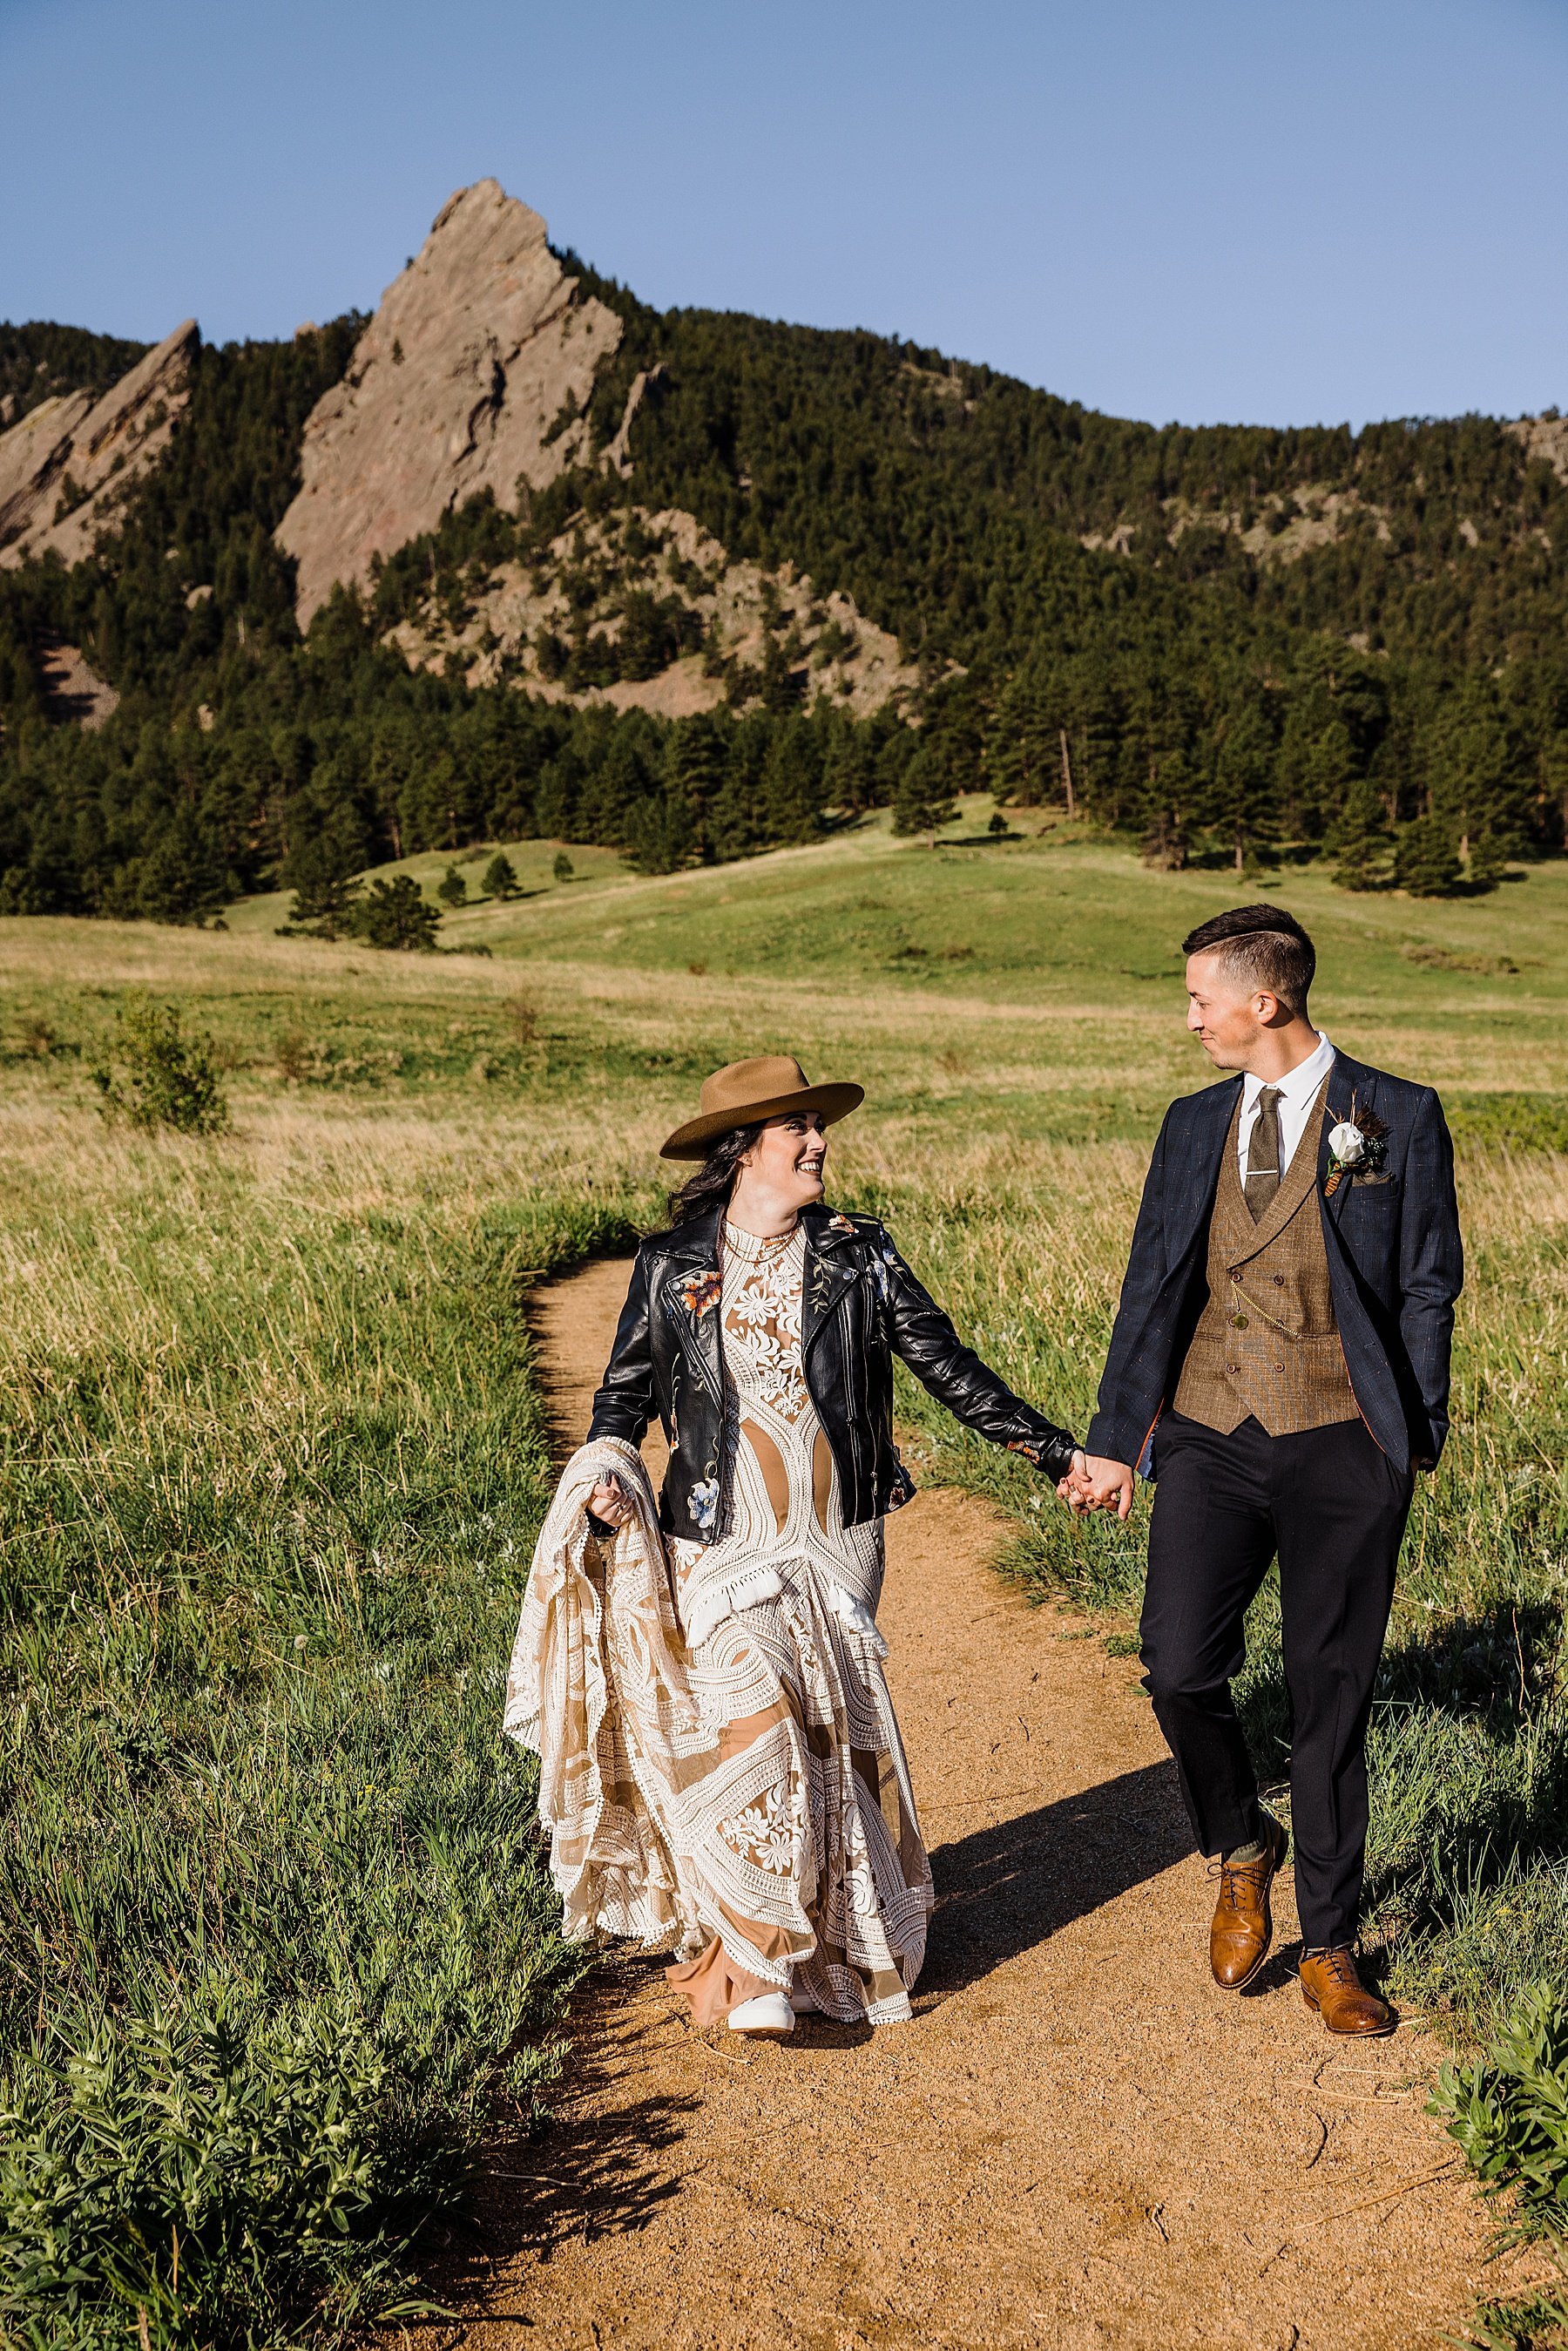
1426 862
1508 2109
396 914
214 2174
157 1075
563 868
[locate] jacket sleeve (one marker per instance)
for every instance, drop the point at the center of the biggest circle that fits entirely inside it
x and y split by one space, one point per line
624 1403
974 1394
1431 1263
1132 1390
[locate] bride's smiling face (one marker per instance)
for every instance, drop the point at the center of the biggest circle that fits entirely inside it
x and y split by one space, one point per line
787 1159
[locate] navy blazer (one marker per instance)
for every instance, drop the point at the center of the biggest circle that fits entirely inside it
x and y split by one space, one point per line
1395 1265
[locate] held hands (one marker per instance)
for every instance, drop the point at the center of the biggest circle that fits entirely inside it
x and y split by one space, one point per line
1094 1484
608 1502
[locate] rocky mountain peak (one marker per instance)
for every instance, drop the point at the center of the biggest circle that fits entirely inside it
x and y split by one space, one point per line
472 375
66 469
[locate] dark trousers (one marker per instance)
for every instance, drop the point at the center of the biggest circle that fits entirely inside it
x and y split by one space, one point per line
1333 1506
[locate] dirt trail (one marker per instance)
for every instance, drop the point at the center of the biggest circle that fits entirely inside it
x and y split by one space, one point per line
1079 2140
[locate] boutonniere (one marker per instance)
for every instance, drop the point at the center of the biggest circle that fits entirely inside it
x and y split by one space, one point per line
1357 1147
699 1292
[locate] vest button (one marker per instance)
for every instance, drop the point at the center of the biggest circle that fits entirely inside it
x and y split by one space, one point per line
1279 1282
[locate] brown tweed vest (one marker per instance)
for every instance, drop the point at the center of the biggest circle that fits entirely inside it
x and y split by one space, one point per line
1267 1342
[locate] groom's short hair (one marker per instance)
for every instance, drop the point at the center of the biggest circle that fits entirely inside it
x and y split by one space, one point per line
1261 946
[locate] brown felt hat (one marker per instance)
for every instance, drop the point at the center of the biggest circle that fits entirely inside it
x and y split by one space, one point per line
743 1093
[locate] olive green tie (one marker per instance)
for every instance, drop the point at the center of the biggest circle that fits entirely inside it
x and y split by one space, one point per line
1263 1154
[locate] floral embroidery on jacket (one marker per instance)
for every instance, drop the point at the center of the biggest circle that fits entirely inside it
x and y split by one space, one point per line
839 1223
702 1501
700 1291
1031 1451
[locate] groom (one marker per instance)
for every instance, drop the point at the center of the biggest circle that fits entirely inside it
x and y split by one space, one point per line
1280 1365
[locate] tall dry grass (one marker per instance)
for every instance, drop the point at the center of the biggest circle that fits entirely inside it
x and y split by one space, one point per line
277 1944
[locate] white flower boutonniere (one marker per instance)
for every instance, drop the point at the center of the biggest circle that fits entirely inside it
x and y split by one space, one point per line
1357 1147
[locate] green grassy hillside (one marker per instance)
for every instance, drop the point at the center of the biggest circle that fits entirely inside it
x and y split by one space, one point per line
274 1462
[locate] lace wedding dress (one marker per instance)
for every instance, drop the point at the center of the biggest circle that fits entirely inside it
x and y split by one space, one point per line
816 1852
719 1760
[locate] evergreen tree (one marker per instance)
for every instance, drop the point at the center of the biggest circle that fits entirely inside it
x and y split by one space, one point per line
500 876
562 869
326 906
792 782
452 889
923 800
1476 777
849 769
1426 862
396 915
1363 842
1022 747
696 763
661 833
1555 782
1241 802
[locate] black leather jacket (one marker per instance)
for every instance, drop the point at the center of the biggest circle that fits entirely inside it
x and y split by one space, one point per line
861 1304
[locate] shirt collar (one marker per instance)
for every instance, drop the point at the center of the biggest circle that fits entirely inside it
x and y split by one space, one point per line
1298 1085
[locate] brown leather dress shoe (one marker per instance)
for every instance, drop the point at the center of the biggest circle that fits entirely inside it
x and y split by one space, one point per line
1243 1926
1330 1984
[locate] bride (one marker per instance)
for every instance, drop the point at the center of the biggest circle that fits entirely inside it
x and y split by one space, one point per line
703 1678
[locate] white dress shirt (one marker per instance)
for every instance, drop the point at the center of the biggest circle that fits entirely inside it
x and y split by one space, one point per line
1298 1090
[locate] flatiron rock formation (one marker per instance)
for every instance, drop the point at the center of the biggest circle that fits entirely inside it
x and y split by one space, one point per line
66 468
472 373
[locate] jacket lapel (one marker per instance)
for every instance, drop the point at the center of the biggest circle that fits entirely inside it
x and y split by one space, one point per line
830 1270
1351 1085
1213 1111
690 1297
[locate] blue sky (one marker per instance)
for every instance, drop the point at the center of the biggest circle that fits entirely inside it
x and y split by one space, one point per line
1165 208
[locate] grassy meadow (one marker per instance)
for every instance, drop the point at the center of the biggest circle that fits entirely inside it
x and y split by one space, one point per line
276 1943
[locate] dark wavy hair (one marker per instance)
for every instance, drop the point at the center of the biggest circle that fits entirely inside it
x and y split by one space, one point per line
712 1184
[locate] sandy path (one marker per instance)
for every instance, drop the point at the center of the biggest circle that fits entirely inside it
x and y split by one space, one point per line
1078 2141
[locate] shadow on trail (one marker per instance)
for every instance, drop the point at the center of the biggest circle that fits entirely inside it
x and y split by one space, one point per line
588 2175
1005 1888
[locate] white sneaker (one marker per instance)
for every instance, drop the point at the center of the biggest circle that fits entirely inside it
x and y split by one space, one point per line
769 2017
